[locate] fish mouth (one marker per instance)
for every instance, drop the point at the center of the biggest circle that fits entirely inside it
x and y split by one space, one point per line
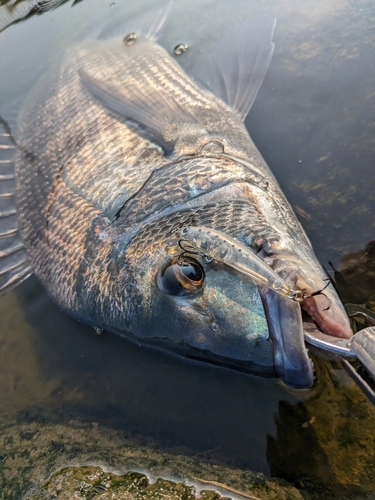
288 321
329 321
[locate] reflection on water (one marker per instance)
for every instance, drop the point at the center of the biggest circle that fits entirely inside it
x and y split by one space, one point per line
312 122
356 277
327 441
133 387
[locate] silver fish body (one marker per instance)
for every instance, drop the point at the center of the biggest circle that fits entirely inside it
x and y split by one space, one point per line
118 149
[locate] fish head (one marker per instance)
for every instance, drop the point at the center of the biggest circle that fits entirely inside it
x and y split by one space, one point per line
202 310
320 311
210 311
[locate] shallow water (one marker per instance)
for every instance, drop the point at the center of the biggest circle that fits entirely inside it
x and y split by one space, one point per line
313 123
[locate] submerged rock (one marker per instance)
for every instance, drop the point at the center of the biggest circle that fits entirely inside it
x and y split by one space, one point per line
89 482
30 451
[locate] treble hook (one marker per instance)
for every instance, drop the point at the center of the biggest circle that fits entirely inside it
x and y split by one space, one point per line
186 251
299 295
319 291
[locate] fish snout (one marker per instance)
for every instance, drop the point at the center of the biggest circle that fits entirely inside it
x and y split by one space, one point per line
328 316
321 302
324 307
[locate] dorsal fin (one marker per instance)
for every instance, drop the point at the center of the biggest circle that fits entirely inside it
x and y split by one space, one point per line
14 264
154 110
234 67
149 107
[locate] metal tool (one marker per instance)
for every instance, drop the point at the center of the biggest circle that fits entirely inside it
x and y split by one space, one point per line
357 356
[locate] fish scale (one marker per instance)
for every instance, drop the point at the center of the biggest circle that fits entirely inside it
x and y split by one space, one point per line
178 183
232 217
72 116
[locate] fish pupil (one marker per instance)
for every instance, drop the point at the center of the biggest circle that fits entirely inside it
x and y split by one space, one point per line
181 277
192 271
170 283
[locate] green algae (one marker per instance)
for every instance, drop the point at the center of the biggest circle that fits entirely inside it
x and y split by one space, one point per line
326 444
33 450
356 277
91 482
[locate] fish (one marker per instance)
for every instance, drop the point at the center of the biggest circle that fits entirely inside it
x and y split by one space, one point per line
132 190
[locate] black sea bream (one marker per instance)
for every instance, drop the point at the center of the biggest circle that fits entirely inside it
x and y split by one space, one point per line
143 206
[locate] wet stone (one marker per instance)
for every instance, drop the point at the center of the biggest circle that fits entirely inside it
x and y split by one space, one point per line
92 482
26 463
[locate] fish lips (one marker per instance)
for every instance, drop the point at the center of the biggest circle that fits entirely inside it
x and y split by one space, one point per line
292 363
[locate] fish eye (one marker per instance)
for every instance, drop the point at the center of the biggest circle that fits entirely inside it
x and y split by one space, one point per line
181 277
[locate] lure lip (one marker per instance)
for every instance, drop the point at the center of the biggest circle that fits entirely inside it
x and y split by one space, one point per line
286 329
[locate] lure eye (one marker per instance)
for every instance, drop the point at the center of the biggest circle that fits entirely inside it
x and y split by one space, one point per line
181 277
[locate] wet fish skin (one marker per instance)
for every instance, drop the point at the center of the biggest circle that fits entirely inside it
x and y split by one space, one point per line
114 296
82 186
99 197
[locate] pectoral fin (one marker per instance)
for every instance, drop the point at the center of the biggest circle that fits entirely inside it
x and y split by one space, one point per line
14 264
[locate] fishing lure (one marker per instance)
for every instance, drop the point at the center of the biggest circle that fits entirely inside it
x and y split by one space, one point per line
213 245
